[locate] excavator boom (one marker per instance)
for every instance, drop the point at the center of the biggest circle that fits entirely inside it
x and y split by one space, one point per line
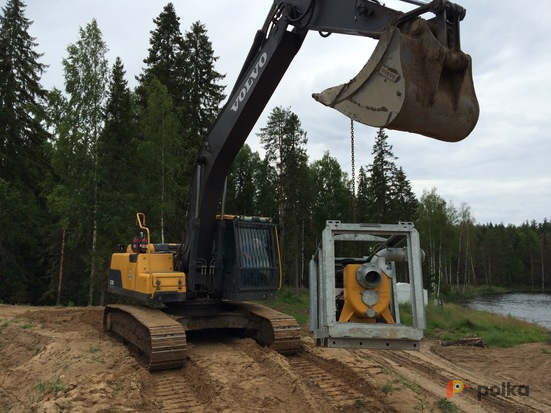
417 80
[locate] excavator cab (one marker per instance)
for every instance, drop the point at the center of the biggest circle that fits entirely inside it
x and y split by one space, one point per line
417 80
251 258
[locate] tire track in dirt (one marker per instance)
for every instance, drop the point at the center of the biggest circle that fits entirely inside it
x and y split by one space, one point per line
231 374
174 393
432 372
334 391
227 373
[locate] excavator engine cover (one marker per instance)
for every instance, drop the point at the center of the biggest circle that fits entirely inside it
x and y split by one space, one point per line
412 83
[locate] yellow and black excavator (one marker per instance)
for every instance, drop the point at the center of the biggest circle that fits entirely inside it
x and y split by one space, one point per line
417 80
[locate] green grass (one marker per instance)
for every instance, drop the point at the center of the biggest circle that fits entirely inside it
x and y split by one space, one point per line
23 323
387 387
469 291
446 406
453 322
292 302
55 386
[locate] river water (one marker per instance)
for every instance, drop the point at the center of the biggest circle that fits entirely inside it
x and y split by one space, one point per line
530 307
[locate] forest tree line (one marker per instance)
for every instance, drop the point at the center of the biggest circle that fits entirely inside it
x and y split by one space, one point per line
78 161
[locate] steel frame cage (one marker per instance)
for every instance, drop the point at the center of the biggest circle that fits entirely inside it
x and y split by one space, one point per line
327 331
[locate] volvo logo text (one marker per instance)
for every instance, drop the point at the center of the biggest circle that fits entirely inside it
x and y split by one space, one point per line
254 74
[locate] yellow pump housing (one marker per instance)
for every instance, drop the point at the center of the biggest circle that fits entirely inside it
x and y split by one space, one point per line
367 294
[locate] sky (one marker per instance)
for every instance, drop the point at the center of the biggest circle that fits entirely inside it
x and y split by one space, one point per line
501 171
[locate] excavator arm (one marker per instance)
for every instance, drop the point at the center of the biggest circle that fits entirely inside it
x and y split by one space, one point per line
417 80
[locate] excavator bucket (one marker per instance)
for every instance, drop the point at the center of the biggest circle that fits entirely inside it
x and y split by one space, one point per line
412 83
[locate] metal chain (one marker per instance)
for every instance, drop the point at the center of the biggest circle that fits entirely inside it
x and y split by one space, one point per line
353 170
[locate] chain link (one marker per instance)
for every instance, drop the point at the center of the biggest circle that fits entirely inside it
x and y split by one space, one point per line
353 163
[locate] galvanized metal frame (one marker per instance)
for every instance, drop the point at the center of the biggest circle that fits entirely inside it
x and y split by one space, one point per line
327 330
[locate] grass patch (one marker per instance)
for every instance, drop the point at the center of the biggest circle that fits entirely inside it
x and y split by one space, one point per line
453 322
93 349
446 406
412 385
360 403
56 386
387 387
451 293
23 323
292 302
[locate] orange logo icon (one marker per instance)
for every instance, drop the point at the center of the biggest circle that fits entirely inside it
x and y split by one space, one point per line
454 386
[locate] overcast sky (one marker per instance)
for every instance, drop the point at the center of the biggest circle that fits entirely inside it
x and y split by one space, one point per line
502 170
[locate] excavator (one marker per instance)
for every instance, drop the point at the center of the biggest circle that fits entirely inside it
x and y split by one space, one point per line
417 80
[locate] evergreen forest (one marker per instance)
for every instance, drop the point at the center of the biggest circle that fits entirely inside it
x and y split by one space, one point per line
77 163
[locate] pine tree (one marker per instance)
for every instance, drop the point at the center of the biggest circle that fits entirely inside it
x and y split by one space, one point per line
284 141
185 66
118 172
386 194
166 59
22 100
267 192
330 189
23 164
117 145
380 175
244 183
160 155
362 196
203 95
404 202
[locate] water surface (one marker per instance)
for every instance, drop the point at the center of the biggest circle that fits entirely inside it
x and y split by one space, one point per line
530 307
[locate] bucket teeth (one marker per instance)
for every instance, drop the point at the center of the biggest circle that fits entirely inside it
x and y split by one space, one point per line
411 83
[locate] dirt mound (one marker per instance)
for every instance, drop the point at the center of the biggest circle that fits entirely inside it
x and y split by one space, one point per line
60 360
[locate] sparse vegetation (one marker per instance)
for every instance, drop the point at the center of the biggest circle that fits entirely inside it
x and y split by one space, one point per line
360 403
387 387
40 387
93 349
446 406
23 323
58 386
469 291
452 322
412 385
292 302
55 386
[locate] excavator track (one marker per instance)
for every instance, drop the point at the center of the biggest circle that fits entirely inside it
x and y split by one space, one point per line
158 336
161 335
276 330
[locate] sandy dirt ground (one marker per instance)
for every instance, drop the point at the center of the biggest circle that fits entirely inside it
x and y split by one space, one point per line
61 360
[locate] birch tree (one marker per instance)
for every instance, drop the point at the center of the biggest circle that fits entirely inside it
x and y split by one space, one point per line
80 112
